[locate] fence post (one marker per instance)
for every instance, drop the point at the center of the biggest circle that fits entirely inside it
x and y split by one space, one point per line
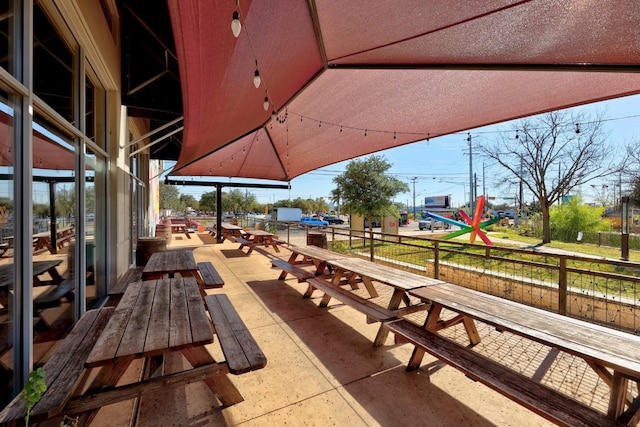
371 246
562 286
436 260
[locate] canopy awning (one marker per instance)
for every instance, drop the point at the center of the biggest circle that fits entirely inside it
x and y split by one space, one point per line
344 79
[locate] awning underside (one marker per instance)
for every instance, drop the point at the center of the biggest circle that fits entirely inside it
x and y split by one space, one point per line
351 78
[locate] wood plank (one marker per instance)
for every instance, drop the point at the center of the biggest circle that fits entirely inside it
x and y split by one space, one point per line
606 346
135 333
52 402
238 345
179 326
540 399
200 326
158 334
107 346
210 275
351 299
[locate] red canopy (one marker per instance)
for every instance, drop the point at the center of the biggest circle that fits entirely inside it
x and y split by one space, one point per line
355 77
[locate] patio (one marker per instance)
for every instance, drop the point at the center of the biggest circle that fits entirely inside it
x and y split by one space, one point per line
322 368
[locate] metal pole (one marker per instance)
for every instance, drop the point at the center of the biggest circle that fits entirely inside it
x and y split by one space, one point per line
470 174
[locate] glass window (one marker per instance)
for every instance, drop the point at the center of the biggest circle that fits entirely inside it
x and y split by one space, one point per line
52 66
7 151
6 25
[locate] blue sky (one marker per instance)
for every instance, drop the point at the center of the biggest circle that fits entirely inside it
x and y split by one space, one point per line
441 165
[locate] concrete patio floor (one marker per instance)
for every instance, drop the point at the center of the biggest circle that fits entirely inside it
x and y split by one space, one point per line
322 369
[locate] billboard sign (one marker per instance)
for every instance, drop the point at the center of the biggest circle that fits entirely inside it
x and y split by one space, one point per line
436 202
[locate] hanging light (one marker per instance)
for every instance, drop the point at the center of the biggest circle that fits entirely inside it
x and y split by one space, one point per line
236 26
256 79
577 128
265 104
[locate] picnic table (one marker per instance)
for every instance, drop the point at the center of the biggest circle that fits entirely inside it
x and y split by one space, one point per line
258 238
613 355
154 319
169 263
302 256
42 240
181 228
159 317
231 231
39 269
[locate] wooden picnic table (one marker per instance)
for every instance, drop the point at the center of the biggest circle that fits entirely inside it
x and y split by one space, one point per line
39 268
231 231
60 288
613 355
258 238
313 255
156 318
181 228
169 263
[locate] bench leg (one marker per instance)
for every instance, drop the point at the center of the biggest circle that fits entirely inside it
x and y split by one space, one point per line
416 359
220 384
107 377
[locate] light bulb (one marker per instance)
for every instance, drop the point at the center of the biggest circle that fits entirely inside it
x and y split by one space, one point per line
236 26
256 79
265 105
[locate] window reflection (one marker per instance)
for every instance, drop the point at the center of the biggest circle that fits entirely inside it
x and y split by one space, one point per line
6 248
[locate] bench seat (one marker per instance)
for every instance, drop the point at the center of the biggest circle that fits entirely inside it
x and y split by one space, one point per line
210 275
330 290
241 351
131 275
294 270
52 298
540 399
63 370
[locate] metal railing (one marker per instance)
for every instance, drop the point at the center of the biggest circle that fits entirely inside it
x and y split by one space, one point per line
598 290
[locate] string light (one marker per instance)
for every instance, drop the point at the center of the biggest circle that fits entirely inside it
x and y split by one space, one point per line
517 136
256 77
265 104
236 26
577 128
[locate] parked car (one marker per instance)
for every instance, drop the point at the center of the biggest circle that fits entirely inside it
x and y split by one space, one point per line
375 223
432 224
333 219
313 222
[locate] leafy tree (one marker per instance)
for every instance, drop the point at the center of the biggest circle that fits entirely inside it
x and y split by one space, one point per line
65 201
169 197
208 201
367 190
188 201
572 217
554 153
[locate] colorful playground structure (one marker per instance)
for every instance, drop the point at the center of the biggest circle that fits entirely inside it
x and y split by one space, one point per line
474 225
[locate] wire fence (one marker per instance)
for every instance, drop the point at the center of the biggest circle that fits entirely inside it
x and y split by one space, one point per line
594 289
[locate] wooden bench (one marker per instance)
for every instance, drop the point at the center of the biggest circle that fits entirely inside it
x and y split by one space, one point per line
211 230
243 242
115 292
210 275
60 240
241 351
613 355
374 312
63 370
540 399
294 270
52 298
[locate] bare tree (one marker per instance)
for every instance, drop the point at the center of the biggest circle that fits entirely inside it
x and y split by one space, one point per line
554 153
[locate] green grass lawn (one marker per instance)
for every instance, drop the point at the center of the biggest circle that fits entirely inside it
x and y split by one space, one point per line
585 248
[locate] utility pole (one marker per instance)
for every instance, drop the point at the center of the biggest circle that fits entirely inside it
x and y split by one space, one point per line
521 185
414 179
471 186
